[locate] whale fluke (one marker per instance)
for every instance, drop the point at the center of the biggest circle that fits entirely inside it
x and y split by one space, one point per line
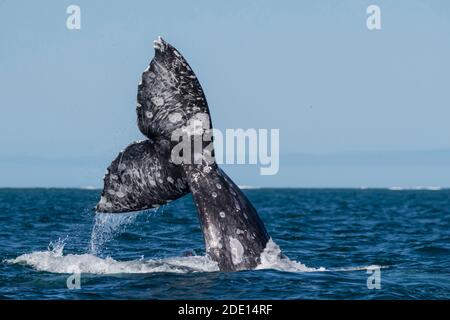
141 178
171 102
169 94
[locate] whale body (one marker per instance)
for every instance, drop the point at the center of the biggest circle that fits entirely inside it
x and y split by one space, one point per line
171 103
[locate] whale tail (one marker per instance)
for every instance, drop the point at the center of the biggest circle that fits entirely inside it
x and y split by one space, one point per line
172 106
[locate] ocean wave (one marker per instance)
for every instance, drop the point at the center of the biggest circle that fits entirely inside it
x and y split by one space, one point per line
417 188
249 187
53 260
272 258
89 188
359 268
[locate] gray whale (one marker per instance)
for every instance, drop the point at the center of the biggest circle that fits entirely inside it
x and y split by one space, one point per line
144 175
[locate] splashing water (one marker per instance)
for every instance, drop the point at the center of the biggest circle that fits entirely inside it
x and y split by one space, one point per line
57 247
272 258
106 227
53 260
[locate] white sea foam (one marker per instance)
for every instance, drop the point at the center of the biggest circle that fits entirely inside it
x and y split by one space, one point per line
53 260
89 188
359 268
272 258
418 188
249 187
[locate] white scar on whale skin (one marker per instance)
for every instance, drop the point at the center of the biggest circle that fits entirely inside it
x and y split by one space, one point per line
237 251
158 101
175 117
214 238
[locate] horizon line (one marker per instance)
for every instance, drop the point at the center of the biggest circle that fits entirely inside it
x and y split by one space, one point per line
392 188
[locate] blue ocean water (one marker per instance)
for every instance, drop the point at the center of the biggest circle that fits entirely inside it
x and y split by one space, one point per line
330 236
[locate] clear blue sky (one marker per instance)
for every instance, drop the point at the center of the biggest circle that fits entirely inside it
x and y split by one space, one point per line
354 107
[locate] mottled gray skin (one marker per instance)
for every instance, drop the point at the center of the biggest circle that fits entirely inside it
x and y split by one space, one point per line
234 234
140 178
144 176
168 95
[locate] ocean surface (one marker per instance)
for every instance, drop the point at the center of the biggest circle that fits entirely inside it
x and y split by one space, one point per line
338 243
